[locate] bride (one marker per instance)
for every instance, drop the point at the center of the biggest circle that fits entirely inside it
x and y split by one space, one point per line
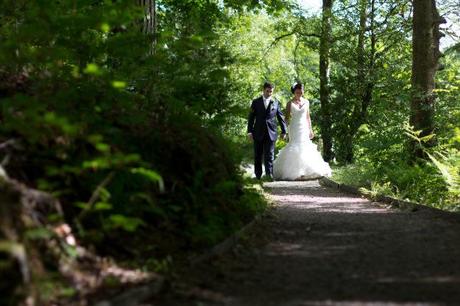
299 159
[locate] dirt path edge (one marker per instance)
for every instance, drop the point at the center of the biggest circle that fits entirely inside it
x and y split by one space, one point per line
393 202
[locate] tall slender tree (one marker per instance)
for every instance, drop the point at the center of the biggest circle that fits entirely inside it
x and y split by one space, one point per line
149 22
324 91
365 74
425 61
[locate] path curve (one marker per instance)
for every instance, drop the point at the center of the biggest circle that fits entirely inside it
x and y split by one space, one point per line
324 247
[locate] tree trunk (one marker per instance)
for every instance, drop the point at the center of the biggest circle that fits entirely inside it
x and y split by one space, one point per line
149 23
425 60
365 78
23 211
361 59
366 97
324 91
362 73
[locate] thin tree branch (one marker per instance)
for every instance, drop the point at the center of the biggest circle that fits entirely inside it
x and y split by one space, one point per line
276 41
279 38
95 195
296 66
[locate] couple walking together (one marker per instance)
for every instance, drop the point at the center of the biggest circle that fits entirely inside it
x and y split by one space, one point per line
299 159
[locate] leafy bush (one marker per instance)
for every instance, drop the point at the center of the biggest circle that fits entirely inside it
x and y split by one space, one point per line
434 182
125 137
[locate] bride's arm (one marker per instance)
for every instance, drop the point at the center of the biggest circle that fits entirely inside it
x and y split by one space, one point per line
309 124
288 112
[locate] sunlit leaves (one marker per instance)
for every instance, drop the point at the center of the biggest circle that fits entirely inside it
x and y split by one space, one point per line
456 139
103 206
86 99
119 84
115 160
60 122
129 224
449 171
102 147
92 68
105 27
150 175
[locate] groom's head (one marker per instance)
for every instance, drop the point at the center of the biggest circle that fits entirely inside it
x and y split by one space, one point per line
268 89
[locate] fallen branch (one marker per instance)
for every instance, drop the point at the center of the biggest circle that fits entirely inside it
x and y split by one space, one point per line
8 143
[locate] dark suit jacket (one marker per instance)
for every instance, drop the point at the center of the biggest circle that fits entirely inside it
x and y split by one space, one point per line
263 120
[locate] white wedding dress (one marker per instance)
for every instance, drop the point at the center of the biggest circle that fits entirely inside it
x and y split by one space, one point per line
299 159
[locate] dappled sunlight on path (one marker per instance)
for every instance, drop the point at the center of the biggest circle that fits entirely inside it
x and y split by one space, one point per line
324 247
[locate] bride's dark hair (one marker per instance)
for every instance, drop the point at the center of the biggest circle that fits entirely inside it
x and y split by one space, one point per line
296 85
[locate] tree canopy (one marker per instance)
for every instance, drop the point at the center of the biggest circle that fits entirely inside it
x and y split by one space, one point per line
131 114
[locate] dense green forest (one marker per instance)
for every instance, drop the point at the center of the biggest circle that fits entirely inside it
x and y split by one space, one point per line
126 119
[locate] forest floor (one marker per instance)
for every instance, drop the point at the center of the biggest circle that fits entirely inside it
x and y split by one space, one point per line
319 246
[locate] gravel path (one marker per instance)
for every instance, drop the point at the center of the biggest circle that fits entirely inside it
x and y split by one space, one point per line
324 247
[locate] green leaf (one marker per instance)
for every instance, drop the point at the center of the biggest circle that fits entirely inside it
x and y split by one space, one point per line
118 84
129 224
364 128
13 248
427 137
92 69
82 205
102 147
105 27
150 175
39 233
102 206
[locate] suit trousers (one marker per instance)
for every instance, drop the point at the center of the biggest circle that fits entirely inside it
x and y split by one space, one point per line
264 148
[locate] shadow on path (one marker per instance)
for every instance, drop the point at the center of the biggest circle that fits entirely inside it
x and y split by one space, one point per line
323 247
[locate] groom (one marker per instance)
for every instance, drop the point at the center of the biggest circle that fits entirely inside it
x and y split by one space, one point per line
263 130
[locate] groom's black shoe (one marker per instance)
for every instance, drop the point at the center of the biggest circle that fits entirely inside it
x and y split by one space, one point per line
269 178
